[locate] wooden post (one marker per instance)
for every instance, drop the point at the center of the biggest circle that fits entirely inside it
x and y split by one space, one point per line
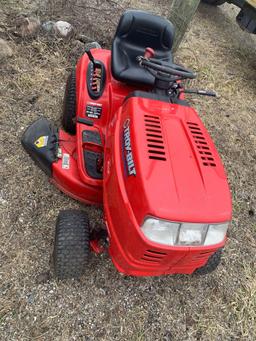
181 14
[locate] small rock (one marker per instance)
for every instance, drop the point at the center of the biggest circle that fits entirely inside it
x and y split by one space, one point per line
30 298
47 26
5 50
92 45
63 29
83 38
27 26
43 277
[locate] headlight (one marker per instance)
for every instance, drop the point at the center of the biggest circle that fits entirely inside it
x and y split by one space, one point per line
160 231
183 234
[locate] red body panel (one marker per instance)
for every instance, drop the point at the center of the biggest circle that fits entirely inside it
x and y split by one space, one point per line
75 181
68 180
156 191
180 178
190 184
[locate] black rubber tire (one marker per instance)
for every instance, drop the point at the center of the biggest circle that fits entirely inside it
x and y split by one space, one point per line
211 265
71 246
69 105
214 2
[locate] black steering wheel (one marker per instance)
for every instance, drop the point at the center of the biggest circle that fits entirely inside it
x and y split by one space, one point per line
165 71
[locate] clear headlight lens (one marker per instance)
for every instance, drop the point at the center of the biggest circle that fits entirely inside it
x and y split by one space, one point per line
183 234
216 233
160 231
192 234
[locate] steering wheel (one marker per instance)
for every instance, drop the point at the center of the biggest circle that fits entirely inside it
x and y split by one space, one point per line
165 71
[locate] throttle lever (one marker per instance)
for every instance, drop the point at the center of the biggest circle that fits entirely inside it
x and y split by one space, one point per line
89 54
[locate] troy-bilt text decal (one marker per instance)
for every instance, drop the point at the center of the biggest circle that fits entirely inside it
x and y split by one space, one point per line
127 148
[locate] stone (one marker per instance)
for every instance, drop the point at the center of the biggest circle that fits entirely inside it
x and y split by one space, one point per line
63 29
83 38
27 26
92 45
47 26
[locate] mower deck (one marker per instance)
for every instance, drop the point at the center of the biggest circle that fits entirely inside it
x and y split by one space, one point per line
65 163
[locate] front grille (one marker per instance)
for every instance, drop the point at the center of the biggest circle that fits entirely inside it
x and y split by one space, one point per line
155 142
201 145
153 256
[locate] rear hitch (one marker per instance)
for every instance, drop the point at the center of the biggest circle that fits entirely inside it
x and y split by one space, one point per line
99 241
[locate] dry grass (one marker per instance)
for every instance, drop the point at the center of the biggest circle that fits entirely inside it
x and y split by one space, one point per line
105 305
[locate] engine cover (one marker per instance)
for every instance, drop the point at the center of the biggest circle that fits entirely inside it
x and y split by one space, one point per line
170 166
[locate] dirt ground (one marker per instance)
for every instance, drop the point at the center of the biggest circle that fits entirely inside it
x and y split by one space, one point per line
104 305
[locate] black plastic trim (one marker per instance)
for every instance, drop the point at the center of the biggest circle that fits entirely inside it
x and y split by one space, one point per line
180 102
90 70
149 95
85 121
90 160
46 154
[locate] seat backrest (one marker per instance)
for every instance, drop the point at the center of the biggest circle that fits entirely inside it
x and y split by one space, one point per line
143 29
136 31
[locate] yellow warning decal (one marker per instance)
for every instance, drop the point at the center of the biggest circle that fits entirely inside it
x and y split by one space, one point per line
41 141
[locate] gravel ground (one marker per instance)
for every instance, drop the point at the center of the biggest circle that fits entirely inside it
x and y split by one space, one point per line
104 305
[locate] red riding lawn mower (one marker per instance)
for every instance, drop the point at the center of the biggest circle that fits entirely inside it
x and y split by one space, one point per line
132 142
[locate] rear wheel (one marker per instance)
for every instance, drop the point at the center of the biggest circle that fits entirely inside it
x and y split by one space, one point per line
214 2
71 247
69 105
211 265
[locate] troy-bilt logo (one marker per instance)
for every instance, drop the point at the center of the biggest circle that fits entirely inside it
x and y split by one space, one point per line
128 149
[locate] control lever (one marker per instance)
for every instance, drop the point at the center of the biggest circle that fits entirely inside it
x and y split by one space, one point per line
201 92
90 56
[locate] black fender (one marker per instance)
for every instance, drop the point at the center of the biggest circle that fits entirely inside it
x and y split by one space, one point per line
40 140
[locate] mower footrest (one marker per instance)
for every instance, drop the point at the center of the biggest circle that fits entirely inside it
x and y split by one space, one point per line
93 161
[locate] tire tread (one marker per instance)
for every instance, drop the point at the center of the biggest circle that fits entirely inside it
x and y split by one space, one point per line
69 104
71 247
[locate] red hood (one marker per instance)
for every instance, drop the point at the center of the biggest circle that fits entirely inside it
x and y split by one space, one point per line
179 175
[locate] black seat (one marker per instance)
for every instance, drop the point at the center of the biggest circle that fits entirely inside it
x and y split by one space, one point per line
136 31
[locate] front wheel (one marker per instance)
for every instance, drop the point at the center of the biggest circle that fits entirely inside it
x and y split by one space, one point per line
214 2
71 247
211 265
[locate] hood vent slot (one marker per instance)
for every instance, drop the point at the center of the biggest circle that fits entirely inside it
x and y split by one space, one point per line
155 142
202 145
